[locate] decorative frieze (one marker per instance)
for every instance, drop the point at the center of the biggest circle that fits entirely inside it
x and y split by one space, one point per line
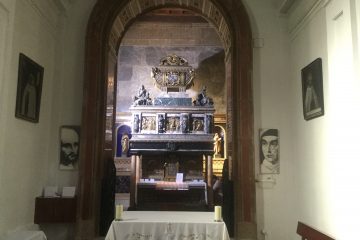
173 73
170 121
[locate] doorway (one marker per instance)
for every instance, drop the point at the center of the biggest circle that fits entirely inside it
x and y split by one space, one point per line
107 25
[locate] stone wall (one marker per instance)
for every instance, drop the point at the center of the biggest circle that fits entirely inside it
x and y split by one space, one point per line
141 50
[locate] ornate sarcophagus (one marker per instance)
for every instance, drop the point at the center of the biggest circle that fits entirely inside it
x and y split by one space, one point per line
172 121
172 133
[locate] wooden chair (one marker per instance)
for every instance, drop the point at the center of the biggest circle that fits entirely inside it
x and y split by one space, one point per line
308 233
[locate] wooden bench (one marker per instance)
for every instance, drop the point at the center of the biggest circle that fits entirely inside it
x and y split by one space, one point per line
308 233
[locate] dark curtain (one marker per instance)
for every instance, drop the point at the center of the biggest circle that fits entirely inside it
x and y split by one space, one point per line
107 197
228 199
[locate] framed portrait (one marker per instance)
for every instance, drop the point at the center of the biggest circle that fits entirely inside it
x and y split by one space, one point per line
28 96
69 147
312 90
269 151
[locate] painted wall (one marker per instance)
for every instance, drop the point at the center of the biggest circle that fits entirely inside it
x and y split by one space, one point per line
271 81
317 183
309 43
318 158
63 59
68 86
325 149
24 161
29 152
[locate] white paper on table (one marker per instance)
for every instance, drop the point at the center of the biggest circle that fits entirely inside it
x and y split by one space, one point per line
179 177
50 191
68 192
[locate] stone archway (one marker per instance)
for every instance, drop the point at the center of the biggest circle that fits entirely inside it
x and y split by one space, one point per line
107 24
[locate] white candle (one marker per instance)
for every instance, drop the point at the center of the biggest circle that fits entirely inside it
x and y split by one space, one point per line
118 212
217 216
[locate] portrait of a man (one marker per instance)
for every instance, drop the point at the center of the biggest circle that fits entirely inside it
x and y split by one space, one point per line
269 151
312 90
69 147
29 89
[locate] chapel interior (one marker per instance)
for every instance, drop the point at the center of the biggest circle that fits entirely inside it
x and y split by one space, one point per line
170 102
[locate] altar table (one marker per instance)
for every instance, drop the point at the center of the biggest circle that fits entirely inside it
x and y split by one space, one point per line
26 235
164 225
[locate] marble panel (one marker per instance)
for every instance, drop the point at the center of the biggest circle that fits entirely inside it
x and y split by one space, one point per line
173 101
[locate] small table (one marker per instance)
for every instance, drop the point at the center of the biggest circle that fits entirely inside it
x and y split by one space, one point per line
164 225
55 210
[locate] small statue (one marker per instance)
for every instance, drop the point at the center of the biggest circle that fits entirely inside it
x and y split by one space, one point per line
124 144
136 123
202 99
161 124
184 124
143 97
217 144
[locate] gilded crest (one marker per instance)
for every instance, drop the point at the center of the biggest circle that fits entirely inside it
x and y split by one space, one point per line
173 73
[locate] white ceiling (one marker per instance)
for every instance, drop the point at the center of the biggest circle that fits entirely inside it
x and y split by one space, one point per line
283 5
277 3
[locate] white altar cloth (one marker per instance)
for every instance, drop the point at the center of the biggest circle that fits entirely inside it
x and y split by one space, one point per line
25 235
161 225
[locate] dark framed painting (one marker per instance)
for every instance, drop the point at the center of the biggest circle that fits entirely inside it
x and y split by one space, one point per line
28 96
312 90
69 147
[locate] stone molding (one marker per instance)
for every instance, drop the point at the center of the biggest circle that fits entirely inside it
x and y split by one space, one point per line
298 21
52 12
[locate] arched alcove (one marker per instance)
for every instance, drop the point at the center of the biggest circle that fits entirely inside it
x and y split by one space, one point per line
107 24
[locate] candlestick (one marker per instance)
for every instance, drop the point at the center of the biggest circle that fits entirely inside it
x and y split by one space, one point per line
217 217
118 212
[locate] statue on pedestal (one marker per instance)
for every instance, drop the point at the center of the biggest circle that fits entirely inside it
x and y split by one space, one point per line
184 125
124 144
136 123
143 97
202 99
161 123
217 144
